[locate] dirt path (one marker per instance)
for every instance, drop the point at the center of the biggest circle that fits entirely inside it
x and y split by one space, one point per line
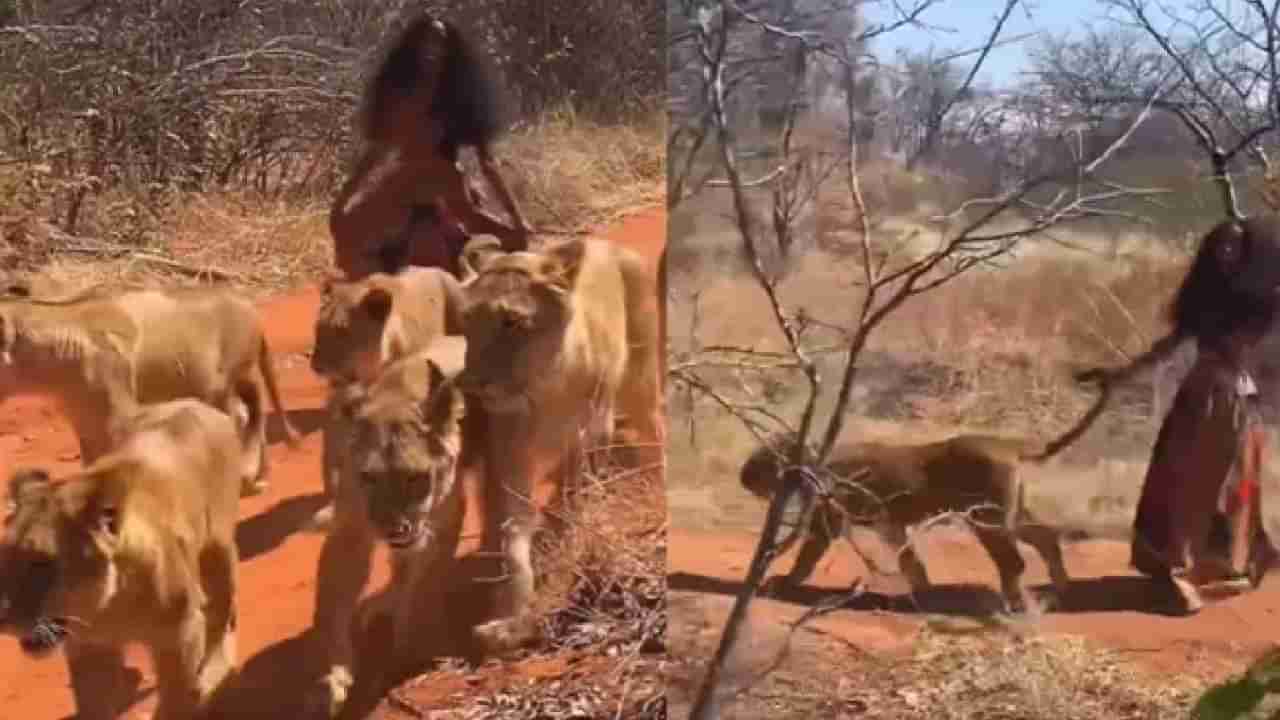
277 564
1105 604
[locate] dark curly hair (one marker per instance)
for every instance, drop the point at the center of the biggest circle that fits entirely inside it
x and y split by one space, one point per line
1214 300
467 105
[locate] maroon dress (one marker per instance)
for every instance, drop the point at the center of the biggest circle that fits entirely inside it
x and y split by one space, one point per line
1206 467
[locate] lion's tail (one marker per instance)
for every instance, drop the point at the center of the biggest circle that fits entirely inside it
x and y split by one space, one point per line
1070 436
269 377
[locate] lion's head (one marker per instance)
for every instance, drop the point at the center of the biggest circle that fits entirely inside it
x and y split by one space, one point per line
517 308
57 554
405 439
762 473
349 328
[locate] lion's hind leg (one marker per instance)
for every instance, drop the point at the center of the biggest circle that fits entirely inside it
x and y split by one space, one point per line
1047 542
245 406
638 397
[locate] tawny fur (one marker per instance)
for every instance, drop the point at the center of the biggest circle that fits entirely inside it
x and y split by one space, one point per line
559 341
99 354
360 328
892 487
138 547
399 486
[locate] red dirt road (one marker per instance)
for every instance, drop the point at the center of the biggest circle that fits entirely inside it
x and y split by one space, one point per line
1105 603
278 564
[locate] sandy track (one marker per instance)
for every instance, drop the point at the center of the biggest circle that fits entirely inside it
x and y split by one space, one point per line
278 564
1106 603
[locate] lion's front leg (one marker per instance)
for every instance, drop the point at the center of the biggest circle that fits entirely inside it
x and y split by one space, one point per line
97 679
343 572
218 573
178 664
511 519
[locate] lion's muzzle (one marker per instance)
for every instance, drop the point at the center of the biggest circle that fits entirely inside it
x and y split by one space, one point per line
406 534
45 636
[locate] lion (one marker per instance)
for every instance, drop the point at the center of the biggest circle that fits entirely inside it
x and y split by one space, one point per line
558 341
138 546
100 354
360 327
891 487
433 94
398 487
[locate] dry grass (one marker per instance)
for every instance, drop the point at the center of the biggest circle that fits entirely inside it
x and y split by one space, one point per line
953 677
568 173
603 599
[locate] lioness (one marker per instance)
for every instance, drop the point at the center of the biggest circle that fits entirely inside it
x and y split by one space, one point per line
99 354
557 340
398 486
137 547
890 487
360 327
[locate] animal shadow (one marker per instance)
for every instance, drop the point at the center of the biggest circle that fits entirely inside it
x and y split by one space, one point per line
1105 594
271 684
264 532
957 599
305 421
131 689
1112 593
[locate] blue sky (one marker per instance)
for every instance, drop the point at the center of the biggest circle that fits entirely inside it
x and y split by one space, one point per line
964 24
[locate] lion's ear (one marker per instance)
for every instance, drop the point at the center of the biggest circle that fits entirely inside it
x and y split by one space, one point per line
477 254
86 499
563 261
377 304
445 404
27 483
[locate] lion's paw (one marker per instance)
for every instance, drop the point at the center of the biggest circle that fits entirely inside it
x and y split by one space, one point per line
502 636
250 488
321 521
326 697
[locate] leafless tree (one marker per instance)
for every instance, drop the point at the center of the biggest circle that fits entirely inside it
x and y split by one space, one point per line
1226 93
967 238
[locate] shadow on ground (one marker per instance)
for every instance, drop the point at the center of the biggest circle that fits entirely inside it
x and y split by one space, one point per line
1105 594
264 532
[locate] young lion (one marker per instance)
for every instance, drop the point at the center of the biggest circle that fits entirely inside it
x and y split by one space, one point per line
360 327
398 486
99 354
557 340
891 487
137 547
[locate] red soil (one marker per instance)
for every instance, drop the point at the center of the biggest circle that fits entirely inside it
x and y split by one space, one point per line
278 563
1106 603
